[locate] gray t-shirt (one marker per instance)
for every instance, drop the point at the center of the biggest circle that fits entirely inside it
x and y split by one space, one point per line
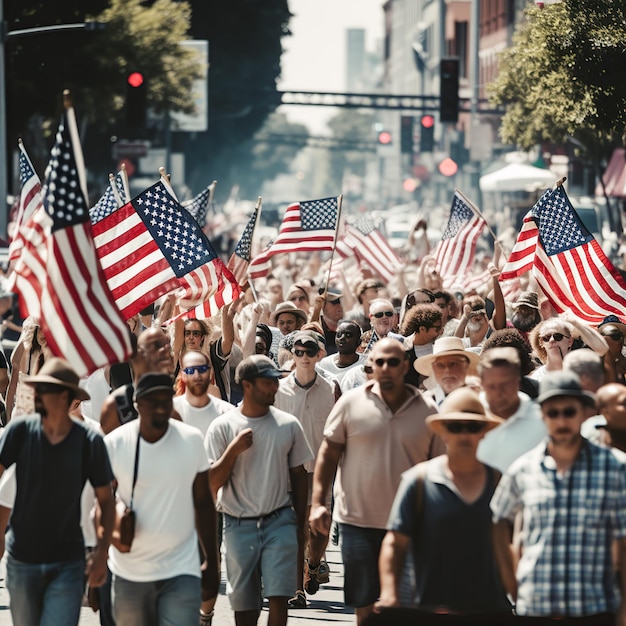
259 480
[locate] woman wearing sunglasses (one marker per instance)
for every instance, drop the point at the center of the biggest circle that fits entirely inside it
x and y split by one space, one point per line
441 512
553 338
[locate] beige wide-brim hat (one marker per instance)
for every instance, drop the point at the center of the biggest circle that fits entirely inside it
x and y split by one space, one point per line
287 307
58 371
462 405
445 346
613 320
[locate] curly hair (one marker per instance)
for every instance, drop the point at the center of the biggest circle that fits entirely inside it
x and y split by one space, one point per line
511 337
427 315
534 336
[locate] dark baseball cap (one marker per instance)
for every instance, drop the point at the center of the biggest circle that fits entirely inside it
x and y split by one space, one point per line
151 382
256 366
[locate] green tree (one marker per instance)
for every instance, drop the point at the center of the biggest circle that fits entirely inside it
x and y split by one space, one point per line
94 65
563 76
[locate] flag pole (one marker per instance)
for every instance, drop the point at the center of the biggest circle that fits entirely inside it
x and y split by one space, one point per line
212 187
259 204
482 217
125 182
332 254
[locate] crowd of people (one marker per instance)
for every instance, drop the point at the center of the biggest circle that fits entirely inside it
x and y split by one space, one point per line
464 450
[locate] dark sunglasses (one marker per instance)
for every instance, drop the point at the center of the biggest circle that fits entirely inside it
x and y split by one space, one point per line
570 411
383 313
614 336
557 337
48 388
194 333
201 369
310 352
464 427
394 361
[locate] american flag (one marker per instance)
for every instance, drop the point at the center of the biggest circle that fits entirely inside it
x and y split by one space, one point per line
30 201
58 276
306 227
198 207
114 196
522 256
372 249
152 246
240 258
454 254
571 267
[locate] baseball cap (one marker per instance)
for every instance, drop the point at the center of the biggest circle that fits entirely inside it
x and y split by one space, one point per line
256 366
152 382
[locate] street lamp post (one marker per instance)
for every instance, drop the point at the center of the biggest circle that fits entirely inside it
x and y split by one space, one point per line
6 35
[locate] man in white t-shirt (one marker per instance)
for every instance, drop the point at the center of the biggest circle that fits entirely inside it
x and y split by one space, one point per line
257 455
196 407
161 469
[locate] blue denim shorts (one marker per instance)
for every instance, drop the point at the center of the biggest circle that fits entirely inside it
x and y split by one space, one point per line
262 549
360 548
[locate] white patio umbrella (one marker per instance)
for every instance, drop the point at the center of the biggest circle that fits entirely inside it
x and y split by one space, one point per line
517 177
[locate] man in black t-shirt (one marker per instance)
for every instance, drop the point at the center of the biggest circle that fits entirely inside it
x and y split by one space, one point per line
54 456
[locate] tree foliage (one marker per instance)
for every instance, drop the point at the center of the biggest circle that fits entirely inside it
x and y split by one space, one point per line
563 75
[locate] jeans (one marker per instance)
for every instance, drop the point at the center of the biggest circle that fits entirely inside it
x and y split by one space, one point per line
45 594
171 602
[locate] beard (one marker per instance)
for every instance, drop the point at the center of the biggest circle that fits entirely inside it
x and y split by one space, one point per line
474 327
524 323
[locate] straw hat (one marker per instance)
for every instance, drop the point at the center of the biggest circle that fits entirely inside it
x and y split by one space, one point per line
445 346
58 371
287 307
463 405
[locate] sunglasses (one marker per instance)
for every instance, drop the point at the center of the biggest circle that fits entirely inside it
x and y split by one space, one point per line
464 427
310 352
614 336
48 388
569 412
394 361
201 369
193 333
383 314
557 337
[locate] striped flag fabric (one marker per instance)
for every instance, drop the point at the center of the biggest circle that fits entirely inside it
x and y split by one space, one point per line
198 207
306 227
454 254
522 256
372 249
57 276
30 200
570 265
240 258
152 246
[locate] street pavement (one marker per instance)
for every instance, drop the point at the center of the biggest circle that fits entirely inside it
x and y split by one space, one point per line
325 607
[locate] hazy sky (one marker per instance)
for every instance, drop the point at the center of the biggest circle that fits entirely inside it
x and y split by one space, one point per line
315 53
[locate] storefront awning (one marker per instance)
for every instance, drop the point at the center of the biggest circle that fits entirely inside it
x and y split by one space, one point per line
614 176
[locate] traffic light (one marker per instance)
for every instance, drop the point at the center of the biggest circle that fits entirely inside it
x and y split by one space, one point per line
384 137
449 90
427 133
136 103
406 134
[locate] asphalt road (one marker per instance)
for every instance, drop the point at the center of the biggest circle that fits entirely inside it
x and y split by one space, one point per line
325 607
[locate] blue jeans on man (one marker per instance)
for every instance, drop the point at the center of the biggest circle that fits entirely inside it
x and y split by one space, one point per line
166 602
46 594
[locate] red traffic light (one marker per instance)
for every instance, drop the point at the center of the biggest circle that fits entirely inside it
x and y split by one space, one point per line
135 79
384 137
427 121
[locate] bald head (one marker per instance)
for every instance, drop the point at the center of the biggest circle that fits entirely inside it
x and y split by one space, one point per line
611 401
154 353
